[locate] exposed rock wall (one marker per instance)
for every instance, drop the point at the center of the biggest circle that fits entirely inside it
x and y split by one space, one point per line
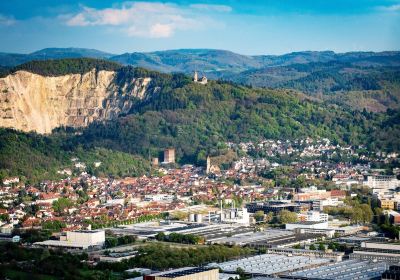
32 102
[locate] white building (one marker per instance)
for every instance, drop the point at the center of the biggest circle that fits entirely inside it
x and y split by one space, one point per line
235 215
382 182
307 225
196 79
313 216
9 181
320 204
80 239
159 197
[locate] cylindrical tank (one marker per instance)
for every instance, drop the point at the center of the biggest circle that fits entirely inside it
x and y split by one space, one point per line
191 217
198 218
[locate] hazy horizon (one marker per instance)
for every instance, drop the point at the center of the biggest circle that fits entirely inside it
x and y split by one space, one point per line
208 49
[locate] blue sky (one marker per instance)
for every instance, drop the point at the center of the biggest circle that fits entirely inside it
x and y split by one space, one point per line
247 27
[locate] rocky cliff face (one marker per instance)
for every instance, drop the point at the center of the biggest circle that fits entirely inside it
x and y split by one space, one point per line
32 102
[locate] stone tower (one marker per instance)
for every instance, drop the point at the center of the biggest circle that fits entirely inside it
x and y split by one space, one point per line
208 165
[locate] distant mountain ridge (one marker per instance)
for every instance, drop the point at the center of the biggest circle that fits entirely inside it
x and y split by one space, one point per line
222 62
361 80
184 60
14 59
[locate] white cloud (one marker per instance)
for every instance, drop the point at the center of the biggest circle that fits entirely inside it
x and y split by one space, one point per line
7 21
207 7
145 19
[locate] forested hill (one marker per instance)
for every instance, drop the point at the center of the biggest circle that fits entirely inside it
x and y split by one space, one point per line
374 88
196 119
59 67
14 59
360 80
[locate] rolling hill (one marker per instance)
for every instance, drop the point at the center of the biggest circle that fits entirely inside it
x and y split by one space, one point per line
11 59
360 80
173 111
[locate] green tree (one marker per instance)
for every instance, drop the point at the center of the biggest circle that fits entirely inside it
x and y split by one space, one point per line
269 217
53 226
357 215
367 212
259 216
379 219
61 204
286 216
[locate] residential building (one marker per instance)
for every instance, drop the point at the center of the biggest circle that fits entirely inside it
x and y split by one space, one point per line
313 216
382 182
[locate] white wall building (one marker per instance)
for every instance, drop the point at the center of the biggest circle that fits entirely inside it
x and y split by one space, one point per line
80 239
320 204
159 197
307 225
86 237
382 182
235 215
313 216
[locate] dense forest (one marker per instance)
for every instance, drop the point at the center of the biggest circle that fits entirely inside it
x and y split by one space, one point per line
58 67
35 157
198 119
373 88
17 262
195 119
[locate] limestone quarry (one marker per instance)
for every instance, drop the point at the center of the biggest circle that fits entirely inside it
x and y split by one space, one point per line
31 102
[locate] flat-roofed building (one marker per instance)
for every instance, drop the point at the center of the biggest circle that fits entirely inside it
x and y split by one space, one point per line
235 215
274 207
382 182
80 239
272 264
313 216
187 273
377 251
306 225
394 217
347 230
320 204
325 232
387 204
346 270
335 256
